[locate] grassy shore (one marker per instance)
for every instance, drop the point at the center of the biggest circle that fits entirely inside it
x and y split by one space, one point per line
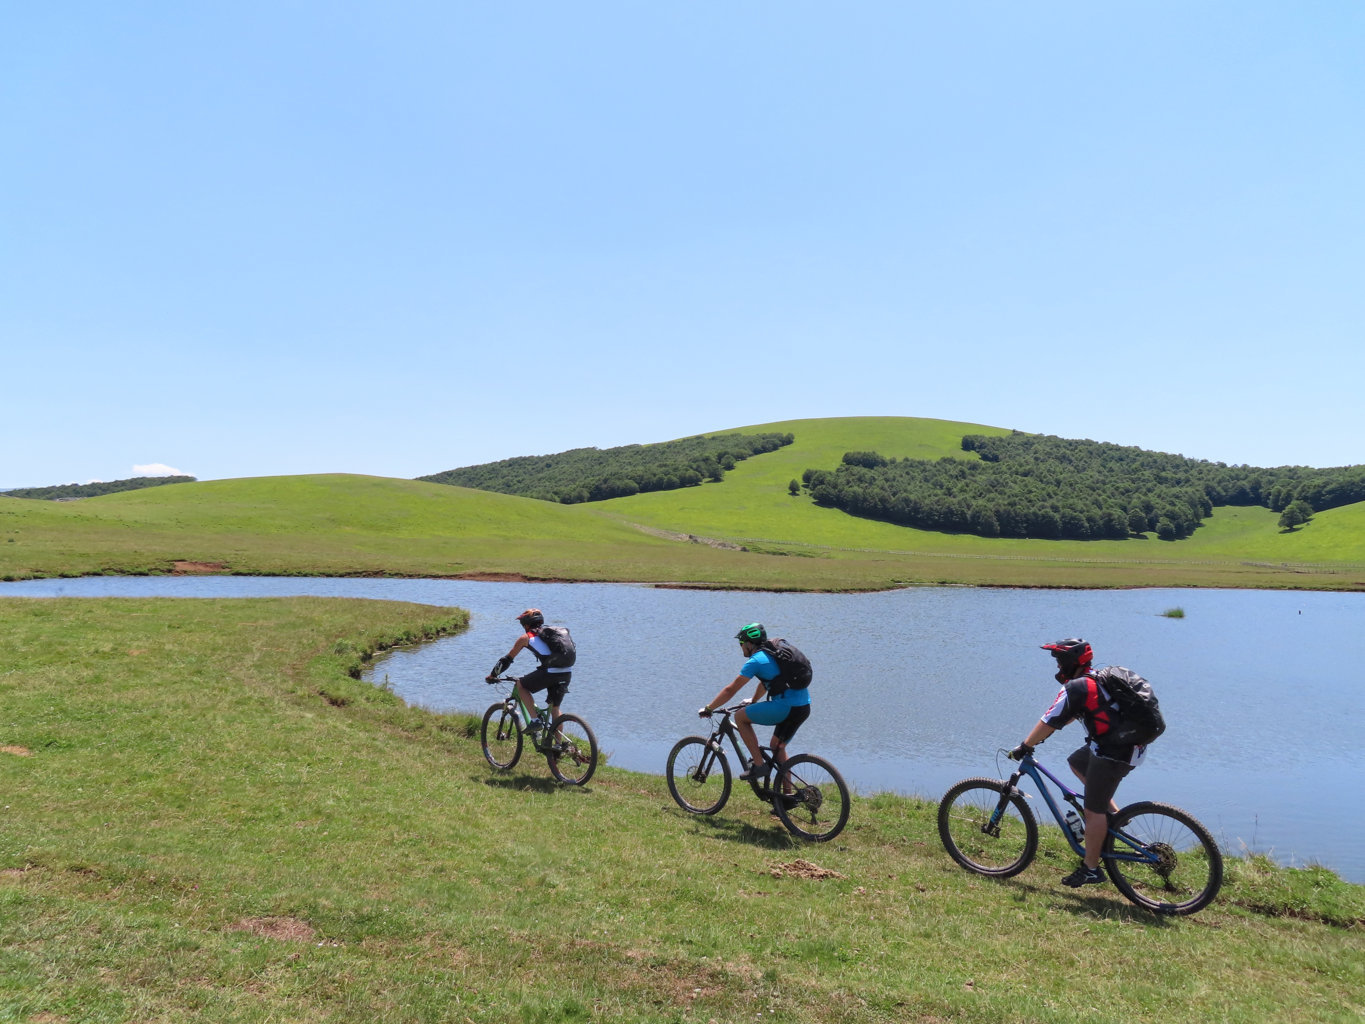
206 817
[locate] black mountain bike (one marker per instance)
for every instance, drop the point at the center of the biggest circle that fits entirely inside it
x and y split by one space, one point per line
1158 856
568 743
806 792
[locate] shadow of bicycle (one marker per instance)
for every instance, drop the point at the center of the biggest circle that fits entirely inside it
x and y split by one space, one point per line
731 831
534 783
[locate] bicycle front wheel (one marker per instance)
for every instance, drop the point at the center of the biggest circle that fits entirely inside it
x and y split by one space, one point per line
811 798
698 775
501 737
1001 848
571 750
1163 858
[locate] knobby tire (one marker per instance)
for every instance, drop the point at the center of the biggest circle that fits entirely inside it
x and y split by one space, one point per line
1188 871
501 737
811 798
698 776
571 750
963 813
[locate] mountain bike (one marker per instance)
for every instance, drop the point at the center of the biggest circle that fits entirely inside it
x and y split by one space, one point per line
1158 856
568 743
807 793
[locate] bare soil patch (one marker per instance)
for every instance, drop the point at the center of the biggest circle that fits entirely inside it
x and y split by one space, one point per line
802 869
17 751
185 568
285 929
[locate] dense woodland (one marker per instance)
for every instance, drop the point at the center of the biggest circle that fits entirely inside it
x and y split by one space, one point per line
594 474
1030 485
64 492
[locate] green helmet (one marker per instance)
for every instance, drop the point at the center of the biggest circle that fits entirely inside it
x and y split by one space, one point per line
754 633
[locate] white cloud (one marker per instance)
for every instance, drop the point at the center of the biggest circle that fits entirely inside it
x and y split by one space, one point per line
158 469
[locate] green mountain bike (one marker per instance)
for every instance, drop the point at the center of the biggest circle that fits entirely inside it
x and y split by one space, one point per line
568 743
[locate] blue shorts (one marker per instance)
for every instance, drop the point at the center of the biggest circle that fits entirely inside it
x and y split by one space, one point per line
787 717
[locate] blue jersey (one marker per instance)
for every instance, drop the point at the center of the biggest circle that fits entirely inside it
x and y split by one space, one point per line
763 666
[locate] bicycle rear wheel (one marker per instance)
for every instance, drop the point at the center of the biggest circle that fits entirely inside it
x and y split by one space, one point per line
811 798
698 775
1170 866
501 737
1001 850
571 750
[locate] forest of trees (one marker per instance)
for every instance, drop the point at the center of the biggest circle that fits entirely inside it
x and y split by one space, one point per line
593 474
60 492
1030 485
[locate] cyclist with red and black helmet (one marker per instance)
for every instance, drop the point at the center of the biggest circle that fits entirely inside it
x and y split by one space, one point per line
1101 763
554 680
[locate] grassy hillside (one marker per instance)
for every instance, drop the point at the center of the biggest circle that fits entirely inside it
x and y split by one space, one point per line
370 525
206 818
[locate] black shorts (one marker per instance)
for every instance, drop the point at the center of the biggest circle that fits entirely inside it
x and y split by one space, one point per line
556 685
784 730
1102 777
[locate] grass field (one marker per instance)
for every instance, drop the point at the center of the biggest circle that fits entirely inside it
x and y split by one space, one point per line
746 531
207 818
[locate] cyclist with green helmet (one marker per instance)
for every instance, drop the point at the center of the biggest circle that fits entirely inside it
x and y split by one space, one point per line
786 708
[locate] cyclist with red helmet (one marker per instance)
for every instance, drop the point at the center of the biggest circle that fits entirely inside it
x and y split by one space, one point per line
1101 763
785 709
555 681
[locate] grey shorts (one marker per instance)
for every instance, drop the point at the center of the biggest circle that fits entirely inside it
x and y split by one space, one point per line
1102 777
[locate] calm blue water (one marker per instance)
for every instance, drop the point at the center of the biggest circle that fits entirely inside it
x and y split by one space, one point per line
915 689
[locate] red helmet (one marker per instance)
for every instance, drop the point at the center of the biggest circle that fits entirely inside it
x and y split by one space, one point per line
531 619
1072 655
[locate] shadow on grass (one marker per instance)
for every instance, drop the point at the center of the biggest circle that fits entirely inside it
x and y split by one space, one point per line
730 830
1102 901
535 783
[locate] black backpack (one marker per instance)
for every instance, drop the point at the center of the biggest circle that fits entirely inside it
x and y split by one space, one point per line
1139 713
793 668
563 653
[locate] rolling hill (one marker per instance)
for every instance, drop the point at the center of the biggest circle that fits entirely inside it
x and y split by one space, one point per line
745 531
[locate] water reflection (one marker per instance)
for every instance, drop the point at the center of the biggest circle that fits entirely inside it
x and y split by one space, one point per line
917 688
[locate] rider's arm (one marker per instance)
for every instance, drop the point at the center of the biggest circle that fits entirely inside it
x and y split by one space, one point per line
722 698
505 662
1040 732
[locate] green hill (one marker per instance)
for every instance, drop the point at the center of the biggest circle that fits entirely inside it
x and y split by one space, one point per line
745 531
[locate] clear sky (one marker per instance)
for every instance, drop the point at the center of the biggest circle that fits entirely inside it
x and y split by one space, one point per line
293 236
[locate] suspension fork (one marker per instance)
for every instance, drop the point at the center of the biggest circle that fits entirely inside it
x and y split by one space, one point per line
991 826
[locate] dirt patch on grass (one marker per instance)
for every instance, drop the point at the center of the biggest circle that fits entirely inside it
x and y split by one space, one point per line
17 751
802 869
285 929
187 568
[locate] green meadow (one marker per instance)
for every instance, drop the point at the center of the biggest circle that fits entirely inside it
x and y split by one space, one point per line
745 531
207 817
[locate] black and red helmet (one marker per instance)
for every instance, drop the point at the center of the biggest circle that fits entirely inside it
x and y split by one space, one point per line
531 619
1072 654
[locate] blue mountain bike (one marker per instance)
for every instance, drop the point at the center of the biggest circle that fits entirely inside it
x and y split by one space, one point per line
1158 856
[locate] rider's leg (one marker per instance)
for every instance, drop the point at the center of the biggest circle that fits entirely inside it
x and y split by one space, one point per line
1102 776
747 734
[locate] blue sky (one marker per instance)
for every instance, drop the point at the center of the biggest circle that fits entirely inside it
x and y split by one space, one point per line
287 237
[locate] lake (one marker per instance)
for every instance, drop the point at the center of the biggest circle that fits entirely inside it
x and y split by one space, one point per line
917 688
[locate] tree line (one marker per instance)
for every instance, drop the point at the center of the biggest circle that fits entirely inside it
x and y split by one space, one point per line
1031 485
594 474
60 492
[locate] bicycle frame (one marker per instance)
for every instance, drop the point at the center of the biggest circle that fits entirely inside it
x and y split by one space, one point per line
725 729
513 702
1037 772
513 699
